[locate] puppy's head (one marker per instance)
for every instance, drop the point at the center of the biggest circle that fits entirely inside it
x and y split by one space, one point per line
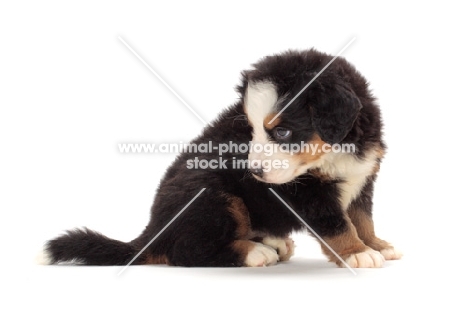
289 131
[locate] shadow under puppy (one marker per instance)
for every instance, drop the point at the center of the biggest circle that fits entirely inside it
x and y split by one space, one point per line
237 221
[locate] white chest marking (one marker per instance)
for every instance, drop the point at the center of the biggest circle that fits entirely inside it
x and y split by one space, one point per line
352 171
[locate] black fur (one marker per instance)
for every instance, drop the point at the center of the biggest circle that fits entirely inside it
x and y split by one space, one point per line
338 106
100 250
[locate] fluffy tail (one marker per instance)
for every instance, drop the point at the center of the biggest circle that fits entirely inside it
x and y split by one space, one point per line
88 247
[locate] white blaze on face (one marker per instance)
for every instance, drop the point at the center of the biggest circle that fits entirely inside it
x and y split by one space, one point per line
260 101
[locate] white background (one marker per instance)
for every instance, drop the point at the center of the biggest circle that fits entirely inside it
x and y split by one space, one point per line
70 91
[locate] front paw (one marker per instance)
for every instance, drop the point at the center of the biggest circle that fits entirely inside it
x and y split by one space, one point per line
391 253
366 259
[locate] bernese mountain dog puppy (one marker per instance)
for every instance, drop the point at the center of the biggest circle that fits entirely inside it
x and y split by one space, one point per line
238 220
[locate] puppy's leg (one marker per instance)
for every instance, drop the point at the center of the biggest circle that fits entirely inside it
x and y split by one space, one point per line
360 213
216 234
351 249
251 253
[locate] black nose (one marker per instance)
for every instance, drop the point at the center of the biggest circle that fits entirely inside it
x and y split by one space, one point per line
257 171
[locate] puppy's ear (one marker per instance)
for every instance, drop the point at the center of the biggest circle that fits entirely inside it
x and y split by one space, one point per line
334 112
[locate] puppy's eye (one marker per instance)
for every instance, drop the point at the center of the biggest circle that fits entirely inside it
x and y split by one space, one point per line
281 133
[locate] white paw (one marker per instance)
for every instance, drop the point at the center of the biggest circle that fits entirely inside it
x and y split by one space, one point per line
284 247
367 259
261 255
391 253
43 258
